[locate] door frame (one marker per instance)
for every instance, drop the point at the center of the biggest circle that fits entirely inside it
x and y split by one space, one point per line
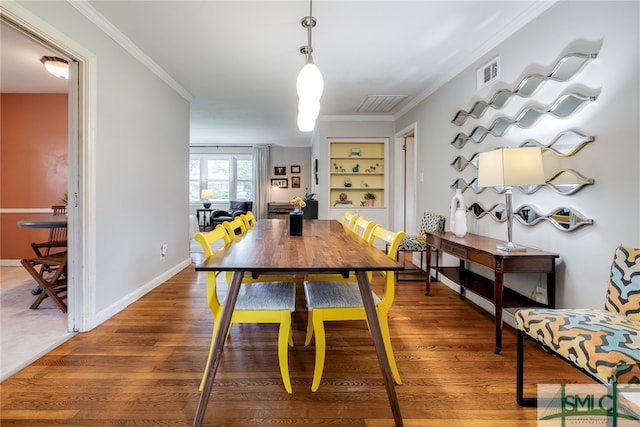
81 161
401 174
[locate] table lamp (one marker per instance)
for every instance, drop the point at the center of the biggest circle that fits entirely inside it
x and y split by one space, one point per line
206 195
508 167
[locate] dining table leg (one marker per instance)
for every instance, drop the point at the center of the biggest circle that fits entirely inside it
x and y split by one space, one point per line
376 333
214 361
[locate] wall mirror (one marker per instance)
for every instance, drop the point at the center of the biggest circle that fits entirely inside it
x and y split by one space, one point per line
496 211
564 145
461 184
562 108
564 218
566 181
459 163
565 69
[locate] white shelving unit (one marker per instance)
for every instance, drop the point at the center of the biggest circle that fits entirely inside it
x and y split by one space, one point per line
357 167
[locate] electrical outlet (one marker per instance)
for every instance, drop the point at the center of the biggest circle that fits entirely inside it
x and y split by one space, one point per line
163 250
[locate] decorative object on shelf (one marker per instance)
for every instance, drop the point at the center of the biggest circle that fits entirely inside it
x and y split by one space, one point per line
370 198
277 183
347 182
355 152
508 167
298 203
280 170
564 70
372 168
310 83
295 168
364 184
356 168
343 197
458 214
565 219
363 203
338 168
206 197
562 108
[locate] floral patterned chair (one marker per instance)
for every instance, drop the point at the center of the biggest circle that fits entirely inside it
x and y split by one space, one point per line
604 343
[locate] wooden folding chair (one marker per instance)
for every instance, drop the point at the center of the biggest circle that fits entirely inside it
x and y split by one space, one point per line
51 279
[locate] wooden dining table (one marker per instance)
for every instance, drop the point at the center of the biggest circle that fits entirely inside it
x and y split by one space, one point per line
325 246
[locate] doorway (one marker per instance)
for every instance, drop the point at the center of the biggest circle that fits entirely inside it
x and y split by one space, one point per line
406 180
27 27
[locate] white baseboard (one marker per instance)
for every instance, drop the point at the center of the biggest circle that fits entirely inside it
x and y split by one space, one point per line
127 300
10 263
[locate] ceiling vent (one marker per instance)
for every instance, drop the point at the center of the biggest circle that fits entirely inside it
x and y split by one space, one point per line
380 103
488 73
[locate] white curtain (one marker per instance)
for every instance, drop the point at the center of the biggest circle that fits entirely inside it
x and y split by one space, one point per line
261 180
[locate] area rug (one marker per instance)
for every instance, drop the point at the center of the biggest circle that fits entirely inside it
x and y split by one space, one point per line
26 334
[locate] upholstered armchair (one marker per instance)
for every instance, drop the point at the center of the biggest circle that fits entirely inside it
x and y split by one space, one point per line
236 208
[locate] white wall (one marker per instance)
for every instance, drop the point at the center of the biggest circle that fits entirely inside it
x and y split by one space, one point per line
612 160
141 148
281 156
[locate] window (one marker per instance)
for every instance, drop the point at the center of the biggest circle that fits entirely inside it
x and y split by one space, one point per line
230 176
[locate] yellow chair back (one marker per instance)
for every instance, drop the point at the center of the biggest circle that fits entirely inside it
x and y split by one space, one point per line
349 219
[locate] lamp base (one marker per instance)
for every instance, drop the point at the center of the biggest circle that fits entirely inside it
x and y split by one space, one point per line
511 247
206 205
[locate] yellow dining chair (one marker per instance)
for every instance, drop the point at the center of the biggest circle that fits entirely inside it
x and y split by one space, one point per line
235 227
349 220
259 302
334 301
249 220
363 227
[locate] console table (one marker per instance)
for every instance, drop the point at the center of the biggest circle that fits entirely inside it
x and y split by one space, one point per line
482 251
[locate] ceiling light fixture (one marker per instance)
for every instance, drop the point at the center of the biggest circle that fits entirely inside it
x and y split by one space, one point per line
310 83
57 66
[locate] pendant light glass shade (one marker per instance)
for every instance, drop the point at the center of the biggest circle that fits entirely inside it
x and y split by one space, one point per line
310 83
306 123
309 108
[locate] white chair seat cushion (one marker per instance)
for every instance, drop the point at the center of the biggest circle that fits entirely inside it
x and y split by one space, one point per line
263 296
334 294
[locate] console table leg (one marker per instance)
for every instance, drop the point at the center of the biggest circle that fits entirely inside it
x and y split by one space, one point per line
497 303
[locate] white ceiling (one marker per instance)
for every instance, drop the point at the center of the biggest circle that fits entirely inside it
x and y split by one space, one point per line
238 60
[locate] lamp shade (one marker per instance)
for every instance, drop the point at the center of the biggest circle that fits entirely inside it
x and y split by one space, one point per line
206 194
511 167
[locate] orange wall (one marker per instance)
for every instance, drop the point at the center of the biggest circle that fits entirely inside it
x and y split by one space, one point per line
34 164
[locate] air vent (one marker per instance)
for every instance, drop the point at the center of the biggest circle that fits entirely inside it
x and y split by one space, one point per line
488 73
380 103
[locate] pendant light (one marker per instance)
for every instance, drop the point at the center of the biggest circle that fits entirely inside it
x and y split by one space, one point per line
309 84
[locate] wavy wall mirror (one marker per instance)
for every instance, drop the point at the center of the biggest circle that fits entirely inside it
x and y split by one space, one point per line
564 218
564 145
565 69
562 108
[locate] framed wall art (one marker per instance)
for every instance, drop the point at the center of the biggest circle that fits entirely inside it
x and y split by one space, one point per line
295 182
295 169
280 170
280 182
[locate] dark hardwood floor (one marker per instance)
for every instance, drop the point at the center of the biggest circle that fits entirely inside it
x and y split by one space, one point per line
143 366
